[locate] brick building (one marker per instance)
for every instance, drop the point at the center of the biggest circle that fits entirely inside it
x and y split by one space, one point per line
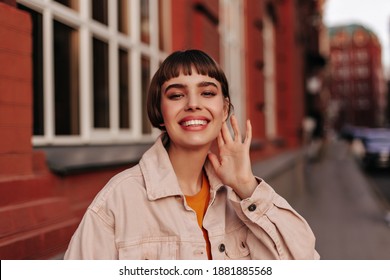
357 77
72 93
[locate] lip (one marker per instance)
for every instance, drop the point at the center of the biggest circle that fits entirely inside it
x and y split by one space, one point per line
194 127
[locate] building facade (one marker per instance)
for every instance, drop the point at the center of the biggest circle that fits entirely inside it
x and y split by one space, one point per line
357 76
73 86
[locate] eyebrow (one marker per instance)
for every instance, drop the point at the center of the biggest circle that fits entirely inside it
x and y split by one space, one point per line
201 84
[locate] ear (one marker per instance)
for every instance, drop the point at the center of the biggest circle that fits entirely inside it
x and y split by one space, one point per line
226 108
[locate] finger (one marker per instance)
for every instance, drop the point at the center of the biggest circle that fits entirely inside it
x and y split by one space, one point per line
248 136
220 140
214 161
236 129
227 137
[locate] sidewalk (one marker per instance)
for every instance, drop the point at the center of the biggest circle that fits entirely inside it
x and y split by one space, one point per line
345 214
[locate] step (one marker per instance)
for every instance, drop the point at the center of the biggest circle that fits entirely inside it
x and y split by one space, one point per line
27 188
41 243
33 214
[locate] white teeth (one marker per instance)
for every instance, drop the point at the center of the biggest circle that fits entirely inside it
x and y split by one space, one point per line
194 122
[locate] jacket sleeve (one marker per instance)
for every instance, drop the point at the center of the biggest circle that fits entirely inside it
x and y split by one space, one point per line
274 224
94 239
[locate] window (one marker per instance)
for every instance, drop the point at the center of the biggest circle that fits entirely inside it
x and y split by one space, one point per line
361 71
361 56
123 16
73 4
100 11
164 25
92 64
145 74
340 57
145 21
343 73
66 79
124 100
362 87
37 71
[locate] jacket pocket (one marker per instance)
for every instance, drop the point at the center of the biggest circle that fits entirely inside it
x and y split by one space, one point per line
236 247
148 250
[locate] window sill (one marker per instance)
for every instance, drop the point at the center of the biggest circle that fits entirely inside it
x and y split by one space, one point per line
68 160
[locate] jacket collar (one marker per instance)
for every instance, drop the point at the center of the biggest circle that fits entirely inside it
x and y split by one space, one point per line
160 178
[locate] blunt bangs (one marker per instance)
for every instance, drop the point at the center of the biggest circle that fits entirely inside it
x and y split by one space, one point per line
185 61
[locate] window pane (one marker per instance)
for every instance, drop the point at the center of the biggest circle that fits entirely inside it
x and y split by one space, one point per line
123 16
145 21
124 112
164 31
100 11
37 67
66 81
100 85
73 4
145 64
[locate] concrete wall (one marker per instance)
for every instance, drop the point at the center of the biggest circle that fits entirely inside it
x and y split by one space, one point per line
285 173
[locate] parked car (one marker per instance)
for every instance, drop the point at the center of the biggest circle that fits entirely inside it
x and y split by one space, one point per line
350 133
376 144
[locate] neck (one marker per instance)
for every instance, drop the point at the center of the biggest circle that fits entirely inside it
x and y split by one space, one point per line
188 166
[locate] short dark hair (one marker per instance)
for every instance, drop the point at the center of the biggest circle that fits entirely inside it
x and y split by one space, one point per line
182 62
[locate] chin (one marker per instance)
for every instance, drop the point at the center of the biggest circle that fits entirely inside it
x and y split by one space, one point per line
196 142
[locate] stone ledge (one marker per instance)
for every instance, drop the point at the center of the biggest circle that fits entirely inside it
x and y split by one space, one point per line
284 172
68 160
270 168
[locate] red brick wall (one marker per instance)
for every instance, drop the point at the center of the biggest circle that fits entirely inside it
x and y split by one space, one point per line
254 66
289 70
290 75
34 221
191 28
9 2
15 93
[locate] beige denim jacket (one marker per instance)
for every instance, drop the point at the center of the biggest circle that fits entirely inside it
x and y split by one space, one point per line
142 214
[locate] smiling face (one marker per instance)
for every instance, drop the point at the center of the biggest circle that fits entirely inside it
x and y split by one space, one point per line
193 109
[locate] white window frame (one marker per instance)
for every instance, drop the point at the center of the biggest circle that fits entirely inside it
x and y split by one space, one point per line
87 28
269 78
231 29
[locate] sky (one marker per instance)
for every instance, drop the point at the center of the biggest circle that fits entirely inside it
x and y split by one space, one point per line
373 14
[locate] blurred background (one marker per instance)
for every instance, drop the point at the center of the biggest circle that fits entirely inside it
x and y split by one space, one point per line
312 75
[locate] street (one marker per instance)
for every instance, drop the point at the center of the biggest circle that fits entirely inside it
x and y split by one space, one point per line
345 207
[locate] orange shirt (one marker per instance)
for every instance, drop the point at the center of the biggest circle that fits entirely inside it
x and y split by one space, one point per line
199 203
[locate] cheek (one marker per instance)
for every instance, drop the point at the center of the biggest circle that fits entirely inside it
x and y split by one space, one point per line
163 110
220 111
168 111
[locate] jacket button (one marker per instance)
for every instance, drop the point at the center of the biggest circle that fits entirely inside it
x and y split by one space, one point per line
252 207
221 247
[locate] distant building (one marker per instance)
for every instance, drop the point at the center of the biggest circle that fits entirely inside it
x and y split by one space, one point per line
357 83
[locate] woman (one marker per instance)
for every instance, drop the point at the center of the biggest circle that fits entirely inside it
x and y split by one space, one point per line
182 201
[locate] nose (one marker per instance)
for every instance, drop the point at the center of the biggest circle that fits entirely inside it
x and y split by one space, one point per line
193 102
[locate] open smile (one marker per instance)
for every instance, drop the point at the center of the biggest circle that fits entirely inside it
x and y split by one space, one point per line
191 122
194 123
